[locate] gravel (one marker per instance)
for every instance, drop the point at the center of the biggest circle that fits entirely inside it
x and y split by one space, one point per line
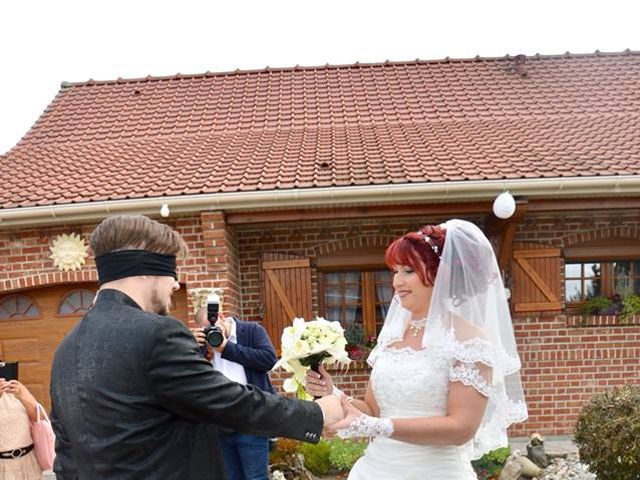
567 468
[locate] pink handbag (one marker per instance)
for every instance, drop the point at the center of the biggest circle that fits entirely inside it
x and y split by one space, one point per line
44 440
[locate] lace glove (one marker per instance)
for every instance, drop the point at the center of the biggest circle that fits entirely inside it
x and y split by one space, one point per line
366 426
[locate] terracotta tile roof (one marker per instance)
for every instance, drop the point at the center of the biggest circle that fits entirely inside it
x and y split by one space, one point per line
421 121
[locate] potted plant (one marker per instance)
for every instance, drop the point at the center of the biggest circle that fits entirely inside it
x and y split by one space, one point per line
355 342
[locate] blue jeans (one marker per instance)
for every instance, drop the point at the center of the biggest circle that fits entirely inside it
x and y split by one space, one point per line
246 457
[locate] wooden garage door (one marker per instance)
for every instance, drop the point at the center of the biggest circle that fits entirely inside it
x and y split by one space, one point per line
32 340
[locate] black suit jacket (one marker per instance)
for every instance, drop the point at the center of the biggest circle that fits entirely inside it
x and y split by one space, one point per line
133 399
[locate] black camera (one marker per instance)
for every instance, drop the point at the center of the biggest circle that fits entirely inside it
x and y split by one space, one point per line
213 333
9 371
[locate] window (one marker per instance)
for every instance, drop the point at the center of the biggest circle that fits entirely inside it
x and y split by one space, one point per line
601 268
582 281
357 299
626 276
585 280
18 306
76 302
355 288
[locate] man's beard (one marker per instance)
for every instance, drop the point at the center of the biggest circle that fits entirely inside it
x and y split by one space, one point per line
157 305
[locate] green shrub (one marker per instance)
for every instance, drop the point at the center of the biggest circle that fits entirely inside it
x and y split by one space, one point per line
491 463
316 457
631 307
344 453
608 434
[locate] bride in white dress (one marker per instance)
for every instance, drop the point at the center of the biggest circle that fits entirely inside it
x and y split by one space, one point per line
445 382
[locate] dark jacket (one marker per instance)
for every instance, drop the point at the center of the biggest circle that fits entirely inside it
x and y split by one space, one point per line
133 399
254 351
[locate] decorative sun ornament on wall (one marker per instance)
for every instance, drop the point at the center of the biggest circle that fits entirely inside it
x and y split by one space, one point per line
68 252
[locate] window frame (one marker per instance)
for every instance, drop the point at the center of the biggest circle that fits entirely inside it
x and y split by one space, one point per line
605 252
63 298
366 261
33 302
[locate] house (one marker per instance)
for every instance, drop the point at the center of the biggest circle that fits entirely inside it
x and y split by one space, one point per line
288 184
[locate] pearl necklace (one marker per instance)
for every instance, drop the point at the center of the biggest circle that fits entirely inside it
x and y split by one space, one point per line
416 325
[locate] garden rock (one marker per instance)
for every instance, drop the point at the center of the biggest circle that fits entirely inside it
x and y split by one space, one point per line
535 451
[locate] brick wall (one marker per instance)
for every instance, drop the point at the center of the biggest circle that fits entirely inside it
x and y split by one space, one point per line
25 256
564 362
563 365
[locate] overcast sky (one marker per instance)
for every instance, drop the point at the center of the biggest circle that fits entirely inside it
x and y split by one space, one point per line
45 42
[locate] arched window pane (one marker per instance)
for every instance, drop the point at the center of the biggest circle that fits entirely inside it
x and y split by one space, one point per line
18 306
76 302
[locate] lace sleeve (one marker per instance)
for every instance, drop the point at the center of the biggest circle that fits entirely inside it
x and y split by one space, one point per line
470 375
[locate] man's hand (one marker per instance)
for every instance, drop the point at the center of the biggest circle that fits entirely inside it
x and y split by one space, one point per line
352 414
225 324
198 334
333 408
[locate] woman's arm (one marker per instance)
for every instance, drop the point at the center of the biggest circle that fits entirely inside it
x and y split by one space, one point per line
25 397
465 409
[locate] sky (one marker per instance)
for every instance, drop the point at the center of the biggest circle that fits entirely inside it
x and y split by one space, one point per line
45 42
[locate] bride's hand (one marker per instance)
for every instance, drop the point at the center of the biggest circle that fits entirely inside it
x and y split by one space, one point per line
319 384
358 424
352 415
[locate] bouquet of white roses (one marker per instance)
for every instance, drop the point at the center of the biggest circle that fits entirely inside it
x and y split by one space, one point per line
307 344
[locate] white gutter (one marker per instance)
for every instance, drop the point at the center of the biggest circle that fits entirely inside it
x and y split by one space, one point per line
442 192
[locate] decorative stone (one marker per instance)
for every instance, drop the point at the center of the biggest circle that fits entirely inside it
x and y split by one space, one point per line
567 468
529 469
535 451
200 296
511 469
68 252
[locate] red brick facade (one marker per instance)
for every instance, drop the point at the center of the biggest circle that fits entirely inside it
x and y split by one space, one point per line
564 361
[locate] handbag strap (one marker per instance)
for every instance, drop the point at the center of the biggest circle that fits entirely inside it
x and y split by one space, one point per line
40 409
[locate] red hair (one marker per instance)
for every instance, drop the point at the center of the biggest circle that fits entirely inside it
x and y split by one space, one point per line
417 250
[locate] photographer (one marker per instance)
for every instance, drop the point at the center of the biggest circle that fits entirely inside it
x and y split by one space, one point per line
242 352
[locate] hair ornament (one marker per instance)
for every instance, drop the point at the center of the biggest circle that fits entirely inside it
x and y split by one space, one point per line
433 246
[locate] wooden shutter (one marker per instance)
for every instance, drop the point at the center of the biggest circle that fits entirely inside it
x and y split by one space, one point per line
536 279
286 292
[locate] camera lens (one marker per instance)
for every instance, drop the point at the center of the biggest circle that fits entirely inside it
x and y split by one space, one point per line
214 336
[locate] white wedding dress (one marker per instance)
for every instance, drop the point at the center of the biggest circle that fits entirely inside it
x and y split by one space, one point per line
410 383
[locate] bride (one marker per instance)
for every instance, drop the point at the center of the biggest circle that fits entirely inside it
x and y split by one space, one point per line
445 381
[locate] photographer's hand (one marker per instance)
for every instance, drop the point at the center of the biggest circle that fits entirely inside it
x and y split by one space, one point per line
225 324
198 334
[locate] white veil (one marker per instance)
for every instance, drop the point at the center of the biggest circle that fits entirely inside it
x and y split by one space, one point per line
469 307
